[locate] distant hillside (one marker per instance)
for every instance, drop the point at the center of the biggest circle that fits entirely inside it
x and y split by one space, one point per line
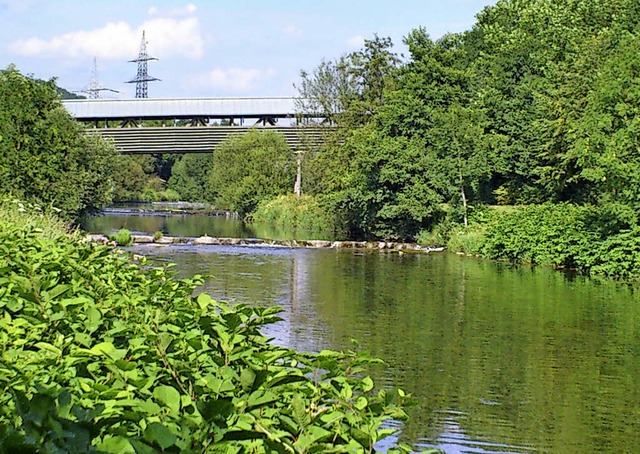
66 94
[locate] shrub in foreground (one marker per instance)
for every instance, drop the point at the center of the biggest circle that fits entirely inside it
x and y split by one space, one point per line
99 353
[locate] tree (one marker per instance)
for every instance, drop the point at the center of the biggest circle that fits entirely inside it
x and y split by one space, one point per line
328 90
44 155
129 179
249 168
463 152
189 177
350 89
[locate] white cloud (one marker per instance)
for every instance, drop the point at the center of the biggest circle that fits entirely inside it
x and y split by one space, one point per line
178 11
292 30
232 79
119 40
356 42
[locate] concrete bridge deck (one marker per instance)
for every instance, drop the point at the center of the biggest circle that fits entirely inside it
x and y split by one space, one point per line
234 109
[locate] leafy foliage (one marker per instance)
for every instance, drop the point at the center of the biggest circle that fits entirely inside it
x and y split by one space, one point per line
292 212
189 178
543 234
122 237
44 157
536 104
601 240
101 354
249 168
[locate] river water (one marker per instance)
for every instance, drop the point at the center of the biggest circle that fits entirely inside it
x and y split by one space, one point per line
499 359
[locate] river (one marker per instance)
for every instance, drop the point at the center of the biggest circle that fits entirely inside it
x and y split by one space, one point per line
498 358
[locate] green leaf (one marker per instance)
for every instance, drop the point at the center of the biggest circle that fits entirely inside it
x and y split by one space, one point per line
204 300
216 411
367 384
48 347
300 414
93 319
58 290
160 435
259 398
108 349
169 396
311 435
164 340
247 377
116 445
361 403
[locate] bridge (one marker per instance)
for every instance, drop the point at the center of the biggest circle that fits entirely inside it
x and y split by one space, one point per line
150 126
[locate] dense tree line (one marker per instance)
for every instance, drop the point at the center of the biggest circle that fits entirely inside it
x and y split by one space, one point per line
536 103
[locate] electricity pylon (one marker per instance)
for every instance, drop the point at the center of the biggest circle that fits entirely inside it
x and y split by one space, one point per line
143 77
94 88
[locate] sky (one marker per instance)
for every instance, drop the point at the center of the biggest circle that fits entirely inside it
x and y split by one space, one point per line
213 48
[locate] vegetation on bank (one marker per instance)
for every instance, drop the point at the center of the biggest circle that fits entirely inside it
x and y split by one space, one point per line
243 172
293 213
535 104
44 157
589 239
102 354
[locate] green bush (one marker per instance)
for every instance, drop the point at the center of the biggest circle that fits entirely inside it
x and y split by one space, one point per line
122 237
292 212
469 240
450 231
189 177
548 234
45 157
157 235
615 256
100 353
29 216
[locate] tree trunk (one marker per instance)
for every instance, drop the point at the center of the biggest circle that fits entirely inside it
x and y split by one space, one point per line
297 187
464 205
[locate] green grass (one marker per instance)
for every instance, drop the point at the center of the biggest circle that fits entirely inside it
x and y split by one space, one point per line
14 212
292 212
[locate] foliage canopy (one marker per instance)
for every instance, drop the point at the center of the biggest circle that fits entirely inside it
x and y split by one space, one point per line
249 168
44 157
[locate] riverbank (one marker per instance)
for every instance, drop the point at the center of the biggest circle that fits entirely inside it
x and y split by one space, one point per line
590 239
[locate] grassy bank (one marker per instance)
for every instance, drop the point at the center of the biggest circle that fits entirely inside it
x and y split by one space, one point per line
103 354
294 213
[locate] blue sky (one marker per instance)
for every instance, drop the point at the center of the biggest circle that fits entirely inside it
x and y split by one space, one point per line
215 48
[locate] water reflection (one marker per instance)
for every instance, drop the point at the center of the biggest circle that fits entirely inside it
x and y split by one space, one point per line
188 225
499 359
